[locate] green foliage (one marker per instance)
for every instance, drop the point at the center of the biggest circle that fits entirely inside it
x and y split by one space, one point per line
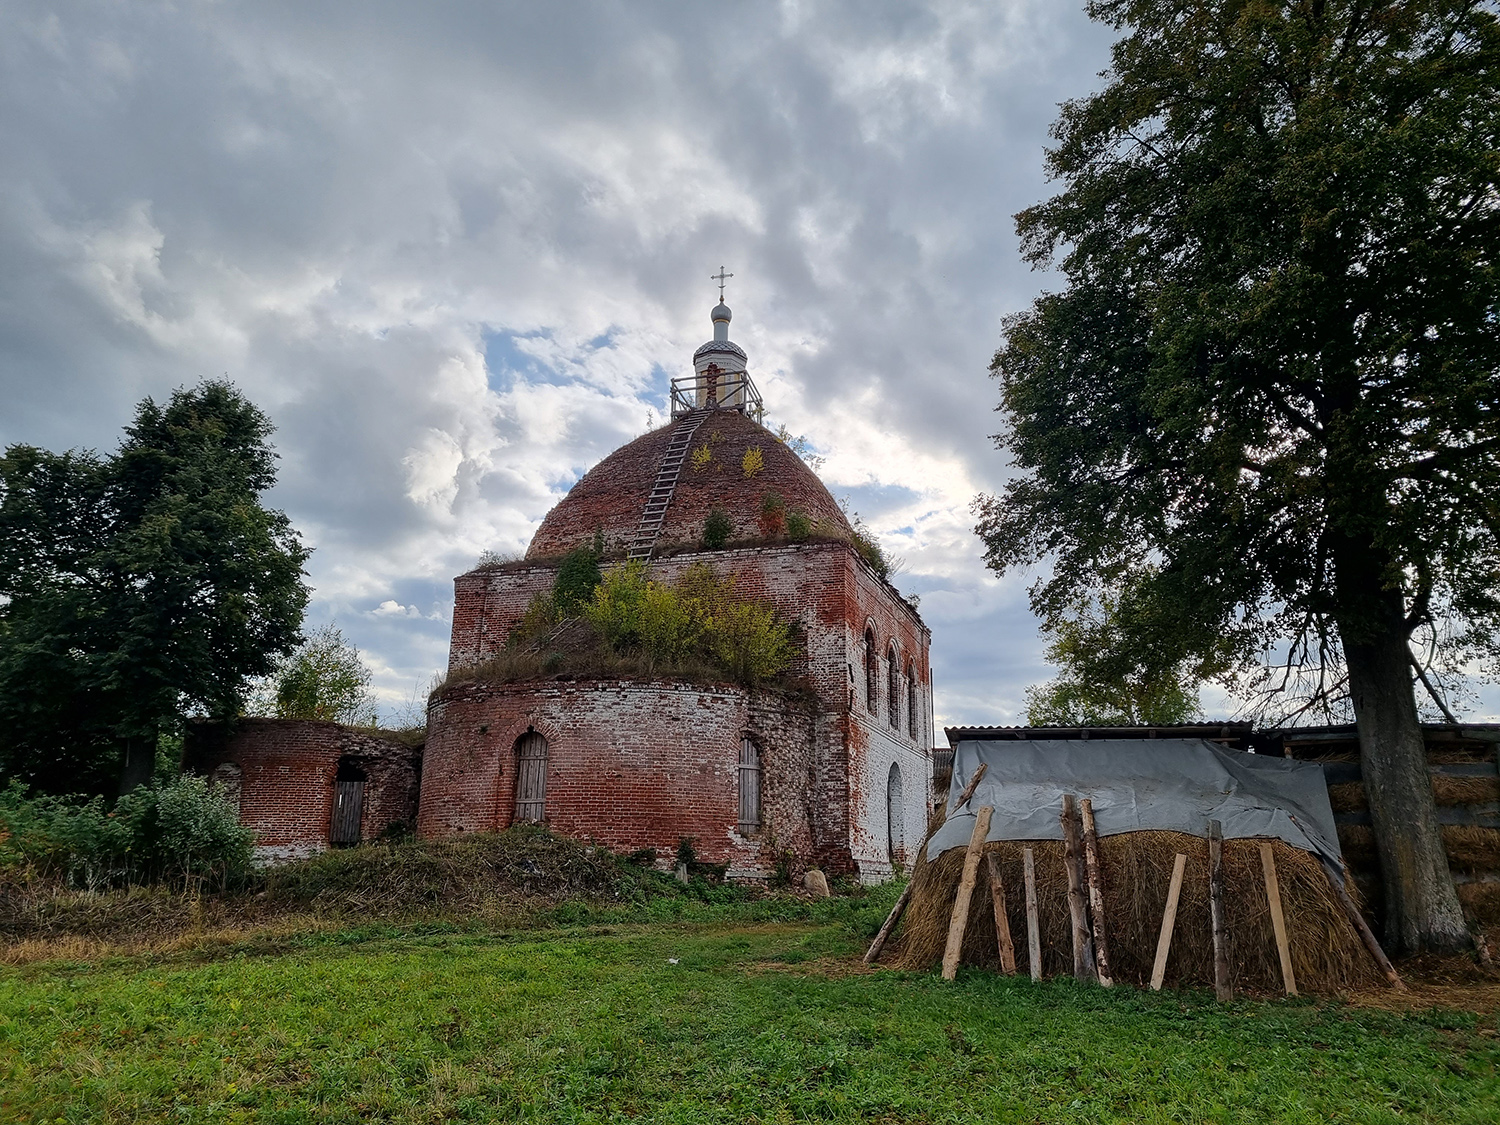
138 588
750 641
616 607
577 577
182 831
1274 366
717 529
698 617
1106 682
798 526
324 679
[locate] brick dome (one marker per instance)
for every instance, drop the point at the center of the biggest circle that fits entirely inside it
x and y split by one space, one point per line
611 497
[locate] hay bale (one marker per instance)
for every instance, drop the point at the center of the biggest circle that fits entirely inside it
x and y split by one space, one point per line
1472 849
1357 842
1481 901
1137 867
1348 796
1463 790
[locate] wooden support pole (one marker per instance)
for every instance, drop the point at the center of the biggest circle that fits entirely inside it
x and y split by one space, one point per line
960 920
1222 988
1278 919
1002 919
1033 923
1168 923
1357 920
1096 891
1078 911
873 953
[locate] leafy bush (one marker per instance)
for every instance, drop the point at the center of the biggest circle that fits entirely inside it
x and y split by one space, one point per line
180 831
717 529
798 527
753 461
577 578
750 642
698 617
772 515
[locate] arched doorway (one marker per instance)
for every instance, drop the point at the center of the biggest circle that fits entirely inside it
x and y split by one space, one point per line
895 816
348 804
531 778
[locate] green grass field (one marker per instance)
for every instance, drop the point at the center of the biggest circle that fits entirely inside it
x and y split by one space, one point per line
728 1019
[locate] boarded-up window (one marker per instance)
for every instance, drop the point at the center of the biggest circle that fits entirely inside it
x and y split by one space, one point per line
749 787
895 816
893 689
911 699
348 804
872 674
531 778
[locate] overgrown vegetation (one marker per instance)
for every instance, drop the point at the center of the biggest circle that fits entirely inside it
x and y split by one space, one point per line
717 529
183 832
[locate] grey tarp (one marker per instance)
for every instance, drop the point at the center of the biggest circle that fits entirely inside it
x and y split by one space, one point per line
1139 784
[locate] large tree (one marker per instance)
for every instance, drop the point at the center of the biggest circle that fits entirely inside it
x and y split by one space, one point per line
139 588
1268 397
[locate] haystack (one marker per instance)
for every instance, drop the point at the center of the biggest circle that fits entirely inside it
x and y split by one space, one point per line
1144 795
1327 953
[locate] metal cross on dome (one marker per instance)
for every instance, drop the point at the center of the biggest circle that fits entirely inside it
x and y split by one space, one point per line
720 278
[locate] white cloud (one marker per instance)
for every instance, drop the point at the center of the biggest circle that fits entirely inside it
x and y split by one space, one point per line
457 250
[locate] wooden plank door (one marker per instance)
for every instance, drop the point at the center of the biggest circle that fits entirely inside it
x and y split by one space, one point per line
749 788
348 808
531 779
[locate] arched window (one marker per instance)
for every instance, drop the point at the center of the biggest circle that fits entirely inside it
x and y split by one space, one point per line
912 703
531 778
895 816
749 787
893 689
872 674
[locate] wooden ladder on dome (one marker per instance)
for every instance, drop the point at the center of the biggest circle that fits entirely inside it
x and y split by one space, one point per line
655 512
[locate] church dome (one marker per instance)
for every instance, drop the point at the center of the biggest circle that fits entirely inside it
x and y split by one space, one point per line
611 497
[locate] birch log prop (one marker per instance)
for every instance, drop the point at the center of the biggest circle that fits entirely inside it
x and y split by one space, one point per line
960 919
1002 920
1096 891
1168 923
1078 911
1033 923
1216 910
1357 920
1278 919
891 919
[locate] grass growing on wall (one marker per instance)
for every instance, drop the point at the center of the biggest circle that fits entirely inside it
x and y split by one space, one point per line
669 1021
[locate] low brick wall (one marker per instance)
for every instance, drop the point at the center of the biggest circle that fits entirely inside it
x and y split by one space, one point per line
630 765
284 771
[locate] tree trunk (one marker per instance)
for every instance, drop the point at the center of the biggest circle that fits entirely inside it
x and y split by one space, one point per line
1422 911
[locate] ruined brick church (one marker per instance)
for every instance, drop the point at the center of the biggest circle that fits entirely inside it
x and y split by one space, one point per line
836 774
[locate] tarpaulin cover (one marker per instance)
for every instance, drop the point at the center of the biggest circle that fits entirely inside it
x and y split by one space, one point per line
1140 784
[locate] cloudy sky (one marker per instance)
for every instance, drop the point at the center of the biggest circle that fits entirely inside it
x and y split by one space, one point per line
457 250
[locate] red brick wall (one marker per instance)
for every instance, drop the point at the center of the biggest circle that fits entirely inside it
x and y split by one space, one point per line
630 765
287 769
834 594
